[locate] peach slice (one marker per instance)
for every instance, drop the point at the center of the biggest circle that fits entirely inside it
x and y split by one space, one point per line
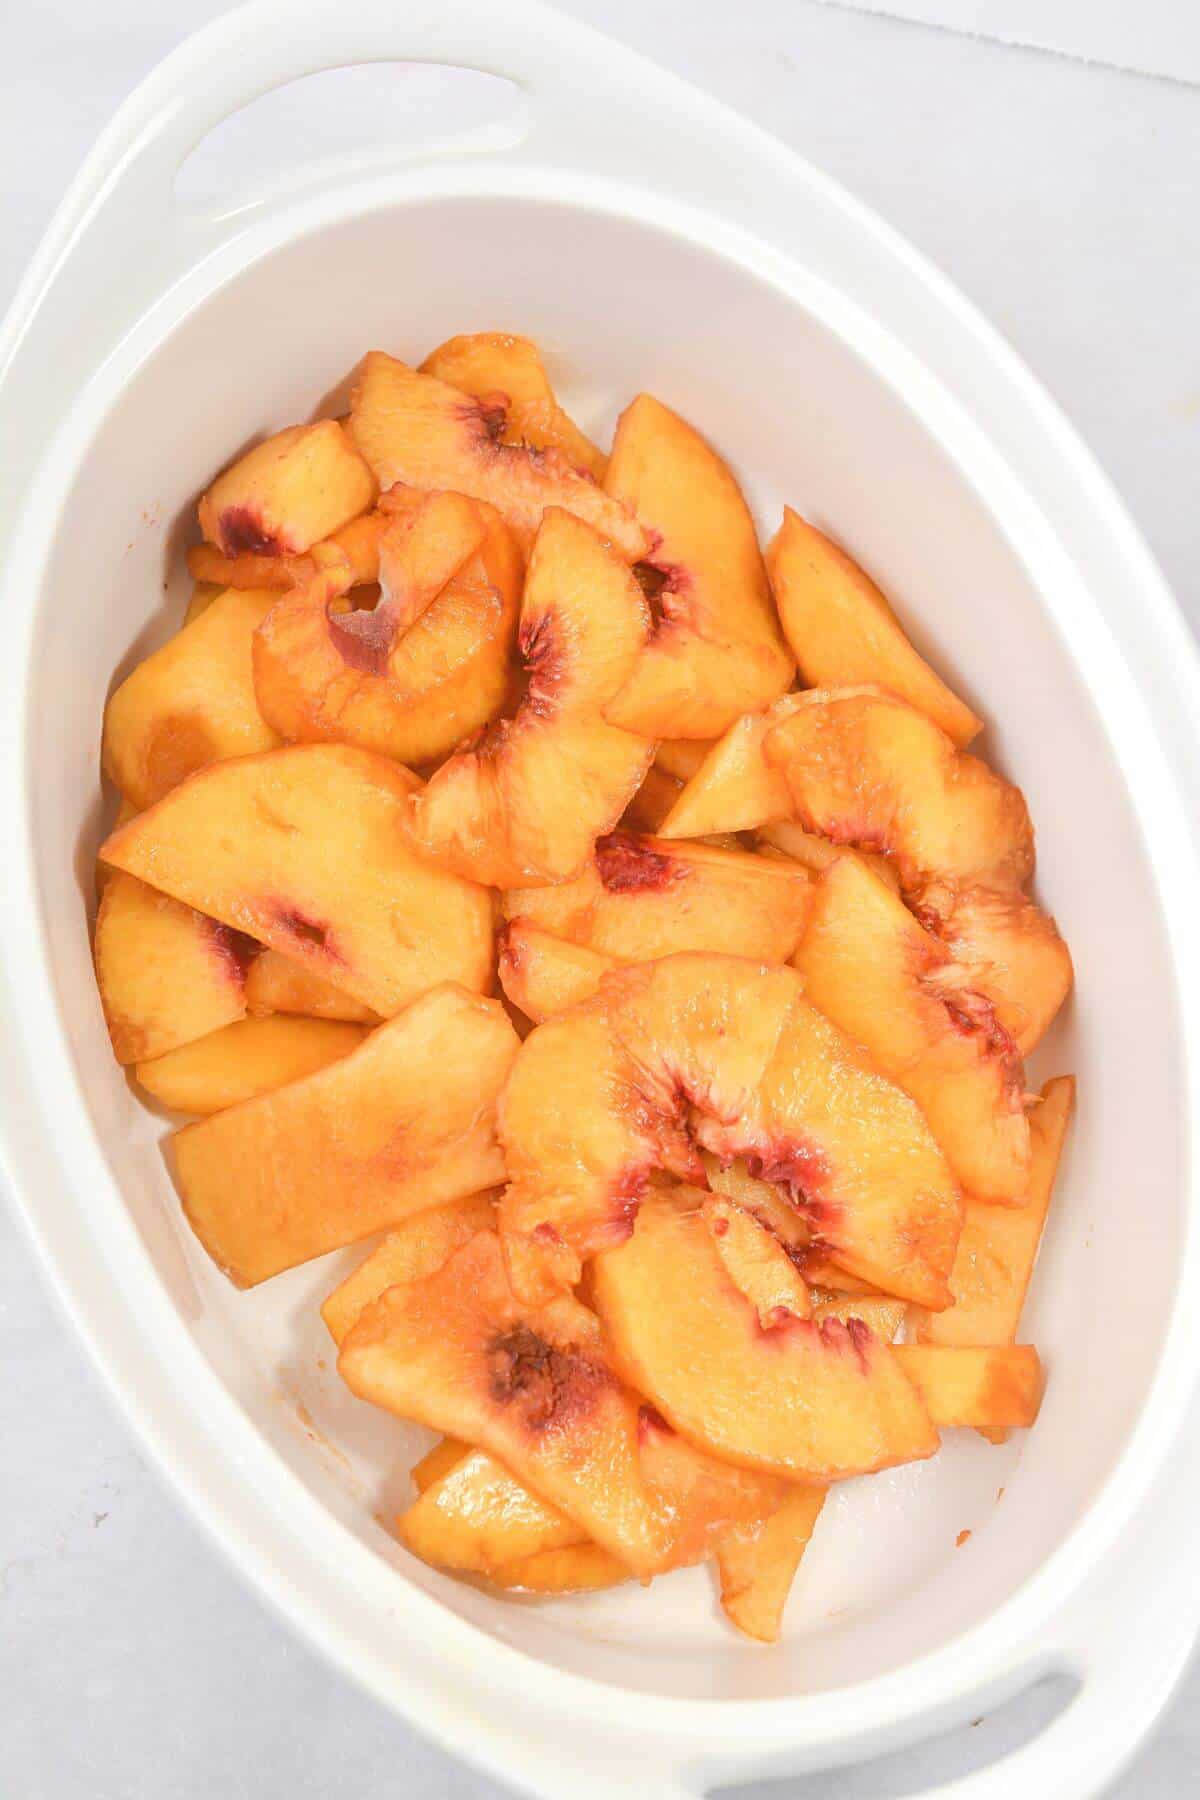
756 1262
446 1453
507 371
989 1387
305 850
726 1054
166 973
652 802
999 1245
800 1400
356 543
533 1386
575 1569
816 853
287 493
543 974
717 650
415 429
702 1496
426 666
203 595
842 630
189 704
772 1208
733 787
478 1517
416 1249
757 1564
868 770
1011 949
873 969
276 984
245 1059
528 802
882 1316
681 757
641 898
362 1145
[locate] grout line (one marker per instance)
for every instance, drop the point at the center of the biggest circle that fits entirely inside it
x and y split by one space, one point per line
1002 43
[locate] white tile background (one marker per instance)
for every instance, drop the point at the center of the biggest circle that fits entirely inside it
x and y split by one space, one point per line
1046 153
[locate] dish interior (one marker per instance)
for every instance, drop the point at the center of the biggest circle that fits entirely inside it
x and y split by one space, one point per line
803 417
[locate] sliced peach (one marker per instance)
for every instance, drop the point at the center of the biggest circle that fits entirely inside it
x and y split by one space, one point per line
681 757
439 1461
576 1569
866 769
543 974
415 429
245 1059
757 1563
287 493
889 984
478 1517
800 1400
528 802
362 1145
652 802
734 788
305 850
702 1496
357 544
1010 949
881 1315
773 1209
423 668
533 1386
991 1387
276 984
640 898
717 650
816 853
724 1053
507 371
999 1245
190 703
202 597
166 973
415 1249
842 630
756 1262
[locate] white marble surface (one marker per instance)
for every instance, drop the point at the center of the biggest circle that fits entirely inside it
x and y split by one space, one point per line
1060 192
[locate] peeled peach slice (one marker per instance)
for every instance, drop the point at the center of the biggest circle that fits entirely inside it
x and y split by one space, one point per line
357 544
445 1453
422 669
1011 949
245 1059
702 1497
286 493
882 1316
723 1053
416 1249
756 1262
733 787
842 630
774 1210
576 1569
531 1385
993 1388
757 1563
800 1400
883 979
998 1246
166 973
717 650
478 1517
681 757
642 897
276 984
543 974
203 595
866 769
652 802
190 703
528 802
305 850
415 429
816 853
405 1122
507 371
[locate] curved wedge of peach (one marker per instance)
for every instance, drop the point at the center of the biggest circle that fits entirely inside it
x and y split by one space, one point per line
577 1569
1011 950
866 769
757 1563
872 968
543 974
816 853
357 542
733 787
305 849
286 494
497 368
804 1401
528 802
276 984
652 802
245 1059
415 429
422 669
717 650
167 974
359 1146
531 1385
842 630
446 1453
202 597
414 1250
477 1517
987 1387
189 704
640 898
756 1262
718 1052
772 1208
702 1496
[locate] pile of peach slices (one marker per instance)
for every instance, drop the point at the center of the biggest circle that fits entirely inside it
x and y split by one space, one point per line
734 1189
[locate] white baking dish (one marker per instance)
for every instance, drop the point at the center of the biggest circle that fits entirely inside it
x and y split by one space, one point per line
648 238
